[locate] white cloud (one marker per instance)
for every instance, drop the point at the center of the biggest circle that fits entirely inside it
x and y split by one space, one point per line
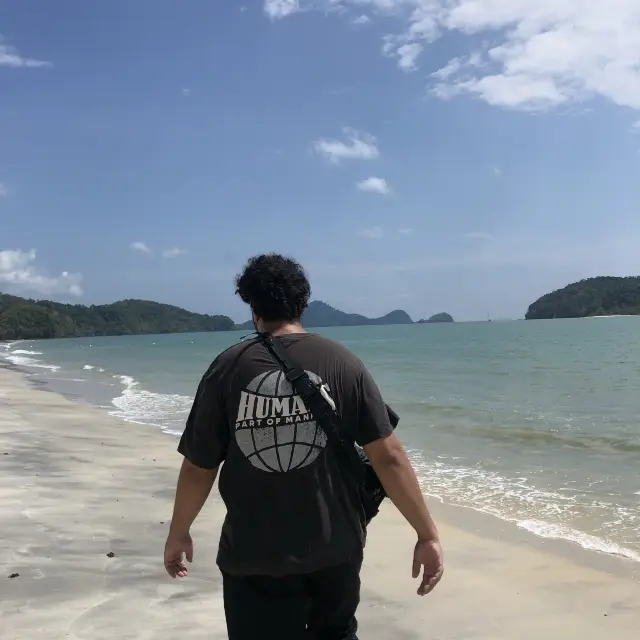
186 92
358 146
478 235
173 253
635 127
374 185
140 246
18 269
374 232
496 170
521 54
404 231
4 190
10 57
281 8
452 67
361 20
407 55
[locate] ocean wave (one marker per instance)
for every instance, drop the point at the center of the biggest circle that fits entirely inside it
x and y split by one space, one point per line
10 345
545 513
25 357
92 367
147 407
585 540
24 361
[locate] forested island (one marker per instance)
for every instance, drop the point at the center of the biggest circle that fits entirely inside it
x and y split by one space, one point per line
21 318
602 296
320 314
25 319
438 317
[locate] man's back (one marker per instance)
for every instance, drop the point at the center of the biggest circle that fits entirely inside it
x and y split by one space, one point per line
290 507
291 545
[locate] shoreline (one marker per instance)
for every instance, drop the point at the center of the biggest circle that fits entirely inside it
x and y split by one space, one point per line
580 541
78 484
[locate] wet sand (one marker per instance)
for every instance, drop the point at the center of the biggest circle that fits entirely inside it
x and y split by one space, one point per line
77 484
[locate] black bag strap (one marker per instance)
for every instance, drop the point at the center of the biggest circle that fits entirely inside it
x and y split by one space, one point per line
322 411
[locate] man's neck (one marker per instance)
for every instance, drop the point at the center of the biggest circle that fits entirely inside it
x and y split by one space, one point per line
283 328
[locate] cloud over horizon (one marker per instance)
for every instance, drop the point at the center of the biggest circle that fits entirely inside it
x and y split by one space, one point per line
18 269
140 247
357 146
11 57
374 185
173 253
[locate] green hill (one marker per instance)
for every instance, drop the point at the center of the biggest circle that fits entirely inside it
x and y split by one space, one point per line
602 296
21 318
320 314
438 317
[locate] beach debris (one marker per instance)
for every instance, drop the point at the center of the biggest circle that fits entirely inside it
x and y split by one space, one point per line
14 575
111 554
5 454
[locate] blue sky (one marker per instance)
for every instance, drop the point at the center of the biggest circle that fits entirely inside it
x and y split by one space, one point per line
461 155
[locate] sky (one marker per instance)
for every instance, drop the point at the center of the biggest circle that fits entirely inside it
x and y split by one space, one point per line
464 156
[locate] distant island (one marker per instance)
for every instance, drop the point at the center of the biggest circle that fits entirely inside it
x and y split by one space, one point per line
602 296
23 319
26 319
320 314
439 317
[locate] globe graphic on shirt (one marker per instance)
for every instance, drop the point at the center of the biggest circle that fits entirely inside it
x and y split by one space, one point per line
274 429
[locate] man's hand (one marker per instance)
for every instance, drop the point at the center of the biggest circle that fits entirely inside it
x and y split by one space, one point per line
174 549
194 485
428 555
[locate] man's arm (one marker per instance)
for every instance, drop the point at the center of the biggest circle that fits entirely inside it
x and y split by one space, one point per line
194 486
203 445
391 464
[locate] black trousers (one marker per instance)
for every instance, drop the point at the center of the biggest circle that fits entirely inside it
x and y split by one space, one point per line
316 606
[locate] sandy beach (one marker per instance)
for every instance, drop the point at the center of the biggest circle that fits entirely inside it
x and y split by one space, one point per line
77 485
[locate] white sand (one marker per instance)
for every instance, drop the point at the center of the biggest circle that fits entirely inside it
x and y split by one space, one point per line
78 483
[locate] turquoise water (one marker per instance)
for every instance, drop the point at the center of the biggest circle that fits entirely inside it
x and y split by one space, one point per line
534 422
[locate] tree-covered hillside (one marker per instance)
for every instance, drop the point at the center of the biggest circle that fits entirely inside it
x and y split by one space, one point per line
603 296
30 319
438 317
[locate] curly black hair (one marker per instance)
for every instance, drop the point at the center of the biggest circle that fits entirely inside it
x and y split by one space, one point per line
275 287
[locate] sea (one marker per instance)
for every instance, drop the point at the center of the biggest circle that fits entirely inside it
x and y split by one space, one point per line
534 422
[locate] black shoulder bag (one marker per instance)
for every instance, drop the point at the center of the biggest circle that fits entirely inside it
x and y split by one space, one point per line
352 460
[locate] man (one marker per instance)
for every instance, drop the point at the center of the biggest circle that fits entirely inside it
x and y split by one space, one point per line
292 541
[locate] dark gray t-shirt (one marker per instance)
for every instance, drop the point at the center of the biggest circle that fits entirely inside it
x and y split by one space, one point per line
290 508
